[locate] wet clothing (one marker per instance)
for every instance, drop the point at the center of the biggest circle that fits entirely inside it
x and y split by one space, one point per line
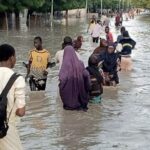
59 57
74 81
121 20
37 84
39 62
96 33
91 27
127 45
109 66
109 37
16 99
96 84
96 99
106 21
117 20
100 49
110 78
126 63
119 38
95 39
77 43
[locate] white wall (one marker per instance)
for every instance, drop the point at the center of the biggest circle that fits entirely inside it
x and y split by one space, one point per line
76 12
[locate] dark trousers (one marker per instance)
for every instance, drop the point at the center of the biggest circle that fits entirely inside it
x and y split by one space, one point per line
95 39
37 85
109 79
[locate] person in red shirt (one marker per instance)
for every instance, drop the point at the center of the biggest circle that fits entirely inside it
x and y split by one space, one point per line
117 20
109 36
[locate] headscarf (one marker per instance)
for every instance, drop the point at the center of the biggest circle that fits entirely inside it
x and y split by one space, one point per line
93 68
77 43
102 42
74 80
101 47
110 59
71 65
67 41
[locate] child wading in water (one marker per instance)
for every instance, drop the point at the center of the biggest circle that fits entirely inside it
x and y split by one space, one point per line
96 79
110 65
38 63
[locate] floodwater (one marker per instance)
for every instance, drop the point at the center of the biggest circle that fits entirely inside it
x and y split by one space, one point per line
121 121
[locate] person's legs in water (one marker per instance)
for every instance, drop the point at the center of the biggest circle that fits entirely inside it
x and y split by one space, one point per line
126 64
114 79
95 99
96 39
36 85
93 40
41 84
32 84
113 83
107 80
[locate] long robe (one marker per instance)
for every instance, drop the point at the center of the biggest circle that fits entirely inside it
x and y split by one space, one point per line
17 92
74 81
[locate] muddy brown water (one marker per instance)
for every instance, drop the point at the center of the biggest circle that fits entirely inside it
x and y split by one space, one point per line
121 121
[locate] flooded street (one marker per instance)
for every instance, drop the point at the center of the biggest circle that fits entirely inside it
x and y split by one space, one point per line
121 121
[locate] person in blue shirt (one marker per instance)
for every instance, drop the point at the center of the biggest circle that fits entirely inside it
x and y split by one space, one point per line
110 65
120 37
127 44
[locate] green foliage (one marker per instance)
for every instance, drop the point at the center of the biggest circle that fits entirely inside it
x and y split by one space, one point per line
2 7
141 3
45 5
68 4
19 5
11 5
33 3
107 4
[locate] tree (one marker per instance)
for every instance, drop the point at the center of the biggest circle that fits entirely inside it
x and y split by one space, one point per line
141 3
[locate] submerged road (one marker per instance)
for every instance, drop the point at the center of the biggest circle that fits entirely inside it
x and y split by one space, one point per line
121 121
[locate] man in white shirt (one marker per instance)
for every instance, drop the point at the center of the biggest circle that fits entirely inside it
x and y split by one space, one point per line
106 21
15 96
96 32
59 54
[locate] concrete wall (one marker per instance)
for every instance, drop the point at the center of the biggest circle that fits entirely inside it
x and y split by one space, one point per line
90 15
76 13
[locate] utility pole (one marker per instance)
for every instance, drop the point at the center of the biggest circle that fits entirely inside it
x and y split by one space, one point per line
119 4
129 3
101 7
123 5
86 5
52 10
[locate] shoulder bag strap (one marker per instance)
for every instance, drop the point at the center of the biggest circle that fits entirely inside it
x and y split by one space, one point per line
8 87
9 84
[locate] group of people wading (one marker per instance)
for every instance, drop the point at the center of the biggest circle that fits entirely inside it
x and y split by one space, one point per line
78 84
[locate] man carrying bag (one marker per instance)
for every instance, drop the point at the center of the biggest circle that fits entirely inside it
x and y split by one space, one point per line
12 98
